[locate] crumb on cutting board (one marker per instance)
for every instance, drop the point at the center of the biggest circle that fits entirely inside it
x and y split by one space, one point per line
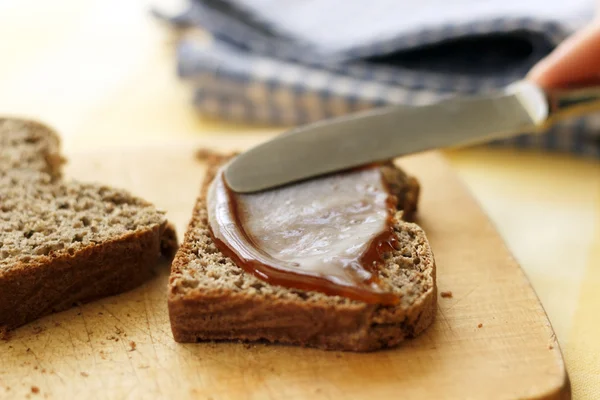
446 295
205 153
84 374
132 345
35 389
480 325
38 329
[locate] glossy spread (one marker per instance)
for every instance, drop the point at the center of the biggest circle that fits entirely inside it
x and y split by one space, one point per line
327 234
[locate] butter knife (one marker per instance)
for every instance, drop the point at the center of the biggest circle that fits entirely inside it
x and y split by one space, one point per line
385 133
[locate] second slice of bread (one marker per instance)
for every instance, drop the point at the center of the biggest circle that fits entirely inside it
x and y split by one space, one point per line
65 242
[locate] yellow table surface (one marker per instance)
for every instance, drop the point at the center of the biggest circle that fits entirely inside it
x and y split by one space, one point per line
103 71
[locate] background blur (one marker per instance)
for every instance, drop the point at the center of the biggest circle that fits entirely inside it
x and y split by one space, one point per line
95 70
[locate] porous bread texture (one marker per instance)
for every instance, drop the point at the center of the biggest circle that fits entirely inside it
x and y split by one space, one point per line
66 242
36 220
211 298
29 148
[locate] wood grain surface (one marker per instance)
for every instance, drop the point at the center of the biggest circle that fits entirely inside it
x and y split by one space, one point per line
490 340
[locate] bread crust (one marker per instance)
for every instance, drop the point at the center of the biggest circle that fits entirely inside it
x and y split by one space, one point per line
219 313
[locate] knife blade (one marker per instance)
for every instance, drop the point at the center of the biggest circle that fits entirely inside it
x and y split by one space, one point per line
385 133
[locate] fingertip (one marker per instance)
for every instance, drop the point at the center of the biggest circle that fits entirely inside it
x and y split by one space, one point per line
539 73
576 59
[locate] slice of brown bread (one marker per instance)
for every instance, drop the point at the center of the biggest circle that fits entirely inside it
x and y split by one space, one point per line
210 298
65 242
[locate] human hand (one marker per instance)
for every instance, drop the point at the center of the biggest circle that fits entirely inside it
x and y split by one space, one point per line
576 60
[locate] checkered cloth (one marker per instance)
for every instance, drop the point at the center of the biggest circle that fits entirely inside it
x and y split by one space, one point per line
296 61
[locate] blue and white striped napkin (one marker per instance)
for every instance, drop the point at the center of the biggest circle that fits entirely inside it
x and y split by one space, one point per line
297 61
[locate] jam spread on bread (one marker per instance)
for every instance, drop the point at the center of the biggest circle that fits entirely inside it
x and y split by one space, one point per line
329 234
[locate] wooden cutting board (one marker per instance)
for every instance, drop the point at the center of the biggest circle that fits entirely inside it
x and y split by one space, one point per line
491 340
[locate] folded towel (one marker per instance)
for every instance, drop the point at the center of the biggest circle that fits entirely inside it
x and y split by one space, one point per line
298 61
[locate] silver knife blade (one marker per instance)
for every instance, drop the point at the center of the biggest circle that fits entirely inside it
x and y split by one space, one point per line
382 134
